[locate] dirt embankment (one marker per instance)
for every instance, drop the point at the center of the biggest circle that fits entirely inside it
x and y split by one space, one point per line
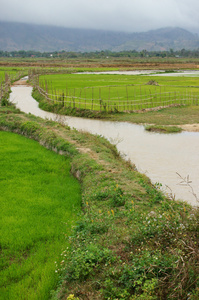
21 82
190 127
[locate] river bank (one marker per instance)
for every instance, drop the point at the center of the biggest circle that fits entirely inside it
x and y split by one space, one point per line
131 241
159 156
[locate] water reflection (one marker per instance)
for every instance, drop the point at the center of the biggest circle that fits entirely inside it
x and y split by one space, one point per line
159 156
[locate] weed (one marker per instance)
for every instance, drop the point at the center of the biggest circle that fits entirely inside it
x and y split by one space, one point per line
72 297
91 227
5 100
30 128
187 182
86 260
153 190
117 197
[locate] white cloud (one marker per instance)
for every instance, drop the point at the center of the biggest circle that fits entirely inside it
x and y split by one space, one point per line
123 15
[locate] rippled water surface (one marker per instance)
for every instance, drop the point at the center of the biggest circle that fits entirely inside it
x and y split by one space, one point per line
160 156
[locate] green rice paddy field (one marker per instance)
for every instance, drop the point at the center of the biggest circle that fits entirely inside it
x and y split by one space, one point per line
13 72
120 92
40 201
9 70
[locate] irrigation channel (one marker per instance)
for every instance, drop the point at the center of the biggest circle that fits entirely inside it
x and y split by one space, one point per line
159 156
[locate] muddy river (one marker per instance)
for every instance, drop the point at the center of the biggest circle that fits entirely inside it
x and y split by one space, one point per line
159 156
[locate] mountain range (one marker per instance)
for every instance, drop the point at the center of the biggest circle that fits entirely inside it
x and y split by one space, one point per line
21 36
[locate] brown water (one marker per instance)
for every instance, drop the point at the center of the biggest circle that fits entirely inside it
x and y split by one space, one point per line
159 156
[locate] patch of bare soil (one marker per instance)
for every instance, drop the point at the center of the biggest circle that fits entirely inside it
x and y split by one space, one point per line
21 82
190 127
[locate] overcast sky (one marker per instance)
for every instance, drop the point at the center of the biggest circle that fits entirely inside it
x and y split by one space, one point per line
120 15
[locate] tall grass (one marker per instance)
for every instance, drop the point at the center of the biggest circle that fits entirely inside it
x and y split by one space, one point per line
39 203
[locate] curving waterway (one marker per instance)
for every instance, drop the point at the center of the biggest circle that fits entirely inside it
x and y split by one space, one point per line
159 156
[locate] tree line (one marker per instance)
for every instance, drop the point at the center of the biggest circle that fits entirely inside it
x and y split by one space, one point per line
101 54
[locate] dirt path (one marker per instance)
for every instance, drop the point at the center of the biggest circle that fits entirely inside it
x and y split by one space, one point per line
22 81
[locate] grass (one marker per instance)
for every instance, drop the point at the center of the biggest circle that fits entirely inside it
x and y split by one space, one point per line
40 201
132 242
165 116
163 129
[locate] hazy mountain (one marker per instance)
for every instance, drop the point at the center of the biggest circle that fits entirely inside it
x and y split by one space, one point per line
19 36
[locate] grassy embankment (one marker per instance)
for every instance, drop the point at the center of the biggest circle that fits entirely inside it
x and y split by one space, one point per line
131 242
40 201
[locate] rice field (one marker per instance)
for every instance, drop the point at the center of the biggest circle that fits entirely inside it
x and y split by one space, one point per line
40 201
105 92
9 70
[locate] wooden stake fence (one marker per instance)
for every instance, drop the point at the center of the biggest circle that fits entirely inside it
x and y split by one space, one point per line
146 98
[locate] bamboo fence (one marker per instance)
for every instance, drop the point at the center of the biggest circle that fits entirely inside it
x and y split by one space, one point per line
112 98
4 87
5 84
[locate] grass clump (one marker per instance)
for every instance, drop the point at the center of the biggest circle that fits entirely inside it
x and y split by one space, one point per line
5 99
163 129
